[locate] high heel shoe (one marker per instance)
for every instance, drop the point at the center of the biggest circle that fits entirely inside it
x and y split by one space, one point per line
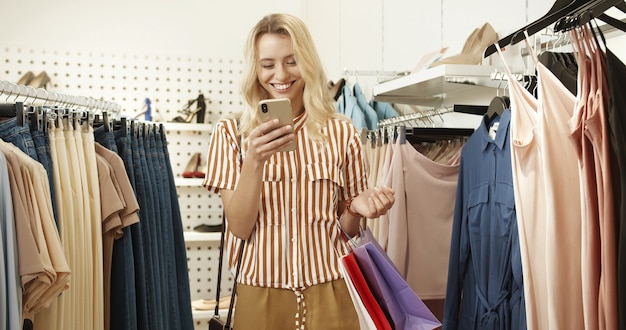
199 173
200 111
193 168
474 47
26 78
40 81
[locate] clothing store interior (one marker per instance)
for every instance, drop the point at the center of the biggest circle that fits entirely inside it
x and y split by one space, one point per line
113 104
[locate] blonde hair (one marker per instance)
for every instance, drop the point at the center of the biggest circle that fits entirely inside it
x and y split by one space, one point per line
317 102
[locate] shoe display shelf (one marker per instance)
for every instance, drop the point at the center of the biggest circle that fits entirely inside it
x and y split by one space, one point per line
433 86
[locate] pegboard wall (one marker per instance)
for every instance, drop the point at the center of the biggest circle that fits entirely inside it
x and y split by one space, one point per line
170 81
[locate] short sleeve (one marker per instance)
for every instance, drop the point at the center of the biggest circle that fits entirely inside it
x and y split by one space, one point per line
223 163
355 171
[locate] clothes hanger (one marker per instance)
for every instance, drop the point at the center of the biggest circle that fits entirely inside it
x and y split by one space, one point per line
560 9
498 104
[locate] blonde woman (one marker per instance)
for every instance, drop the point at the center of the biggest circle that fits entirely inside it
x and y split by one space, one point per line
295 209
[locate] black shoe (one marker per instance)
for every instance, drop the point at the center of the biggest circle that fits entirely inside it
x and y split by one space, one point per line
204 228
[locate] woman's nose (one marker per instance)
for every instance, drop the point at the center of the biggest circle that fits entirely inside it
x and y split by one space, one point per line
281 72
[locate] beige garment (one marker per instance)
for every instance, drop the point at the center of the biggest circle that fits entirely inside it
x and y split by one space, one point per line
563 203
35 267
420 221
324 306
383 221
111 220
119 210
129 214
530 201
37 196
49 315
95 224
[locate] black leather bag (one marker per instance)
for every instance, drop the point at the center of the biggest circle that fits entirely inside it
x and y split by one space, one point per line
216 322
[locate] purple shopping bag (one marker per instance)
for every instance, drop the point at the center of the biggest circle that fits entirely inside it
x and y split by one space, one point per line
397 299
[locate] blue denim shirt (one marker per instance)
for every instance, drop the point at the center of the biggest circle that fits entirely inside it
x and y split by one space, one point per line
484 233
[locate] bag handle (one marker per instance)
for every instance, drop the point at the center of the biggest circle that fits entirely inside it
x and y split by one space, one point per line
219 275
238 266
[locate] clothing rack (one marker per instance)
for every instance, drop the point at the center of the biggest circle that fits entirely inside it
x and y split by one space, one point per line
561 10
413 119
23 94
377 73
417 124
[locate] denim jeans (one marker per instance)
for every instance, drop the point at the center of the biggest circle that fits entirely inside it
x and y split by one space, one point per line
106 139
127 269
180 249
19 136
161 232
146 215
42 147
161 271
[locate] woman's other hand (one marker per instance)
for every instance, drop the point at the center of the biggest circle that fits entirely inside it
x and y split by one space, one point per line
373 202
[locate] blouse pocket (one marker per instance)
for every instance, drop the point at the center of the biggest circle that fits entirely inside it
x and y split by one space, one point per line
505 206
478 208
272 173
324 171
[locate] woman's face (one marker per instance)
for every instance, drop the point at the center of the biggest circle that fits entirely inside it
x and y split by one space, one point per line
278 71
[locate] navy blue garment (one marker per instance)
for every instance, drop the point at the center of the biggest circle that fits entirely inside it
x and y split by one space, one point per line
128 303
175 227
481 284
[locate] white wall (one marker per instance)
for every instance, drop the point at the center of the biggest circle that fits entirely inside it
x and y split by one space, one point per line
369 35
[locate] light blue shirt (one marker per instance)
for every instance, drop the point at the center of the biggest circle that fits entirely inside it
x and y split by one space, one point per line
347 105
11 291
383 110
371 118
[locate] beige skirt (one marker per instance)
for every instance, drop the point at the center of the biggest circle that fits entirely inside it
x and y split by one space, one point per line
323 306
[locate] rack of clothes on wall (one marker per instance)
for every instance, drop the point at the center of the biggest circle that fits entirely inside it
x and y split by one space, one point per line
364 111
417 156
92 230
538 240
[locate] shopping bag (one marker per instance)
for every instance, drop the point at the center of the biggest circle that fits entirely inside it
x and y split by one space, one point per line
362 297
365 320
395 296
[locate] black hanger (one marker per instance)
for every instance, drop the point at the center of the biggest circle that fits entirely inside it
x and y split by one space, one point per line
497 105
618 24
561 9
14 110
432 134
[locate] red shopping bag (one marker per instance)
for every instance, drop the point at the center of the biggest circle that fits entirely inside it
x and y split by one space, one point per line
372 308
395 296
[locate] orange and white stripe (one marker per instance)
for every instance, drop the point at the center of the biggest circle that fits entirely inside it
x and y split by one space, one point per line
297 240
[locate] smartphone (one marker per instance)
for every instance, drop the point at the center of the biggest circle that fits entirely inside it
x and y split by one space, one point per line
281 109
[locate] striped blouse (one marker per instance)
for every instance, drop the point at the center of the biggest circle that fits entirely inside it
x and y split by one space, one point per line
297 240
